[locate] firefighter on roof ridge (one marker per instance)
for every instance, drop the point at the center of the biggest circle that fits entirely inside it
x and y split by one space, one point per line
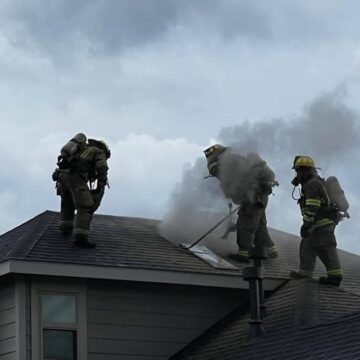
81 162
247 181
320 217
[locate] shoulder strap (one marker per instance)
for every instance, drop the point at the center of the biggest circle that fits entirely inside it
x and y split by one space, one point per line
322 181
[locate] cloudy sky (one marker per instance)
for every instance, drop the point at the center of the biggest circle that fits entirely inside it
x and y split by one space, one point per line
161 80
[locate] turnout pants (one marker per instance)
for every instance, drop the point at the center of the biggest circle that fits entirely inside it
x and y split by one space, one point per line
251 227
322 243
76 195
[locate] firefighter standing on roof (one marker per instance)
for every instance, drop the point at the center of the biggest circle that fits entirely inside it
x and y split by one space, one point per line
80 162
317 230
247 181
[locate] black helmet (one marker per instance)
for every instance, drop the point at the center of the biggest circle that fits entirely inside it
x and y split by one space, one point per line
214 150
212 154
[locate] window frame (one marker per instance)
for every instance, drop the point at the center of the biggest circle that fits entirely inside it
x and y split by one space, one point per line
58 287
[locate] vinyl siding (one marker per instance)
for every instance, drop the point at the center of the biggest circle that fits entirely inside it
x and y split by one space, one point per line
139 321
7 319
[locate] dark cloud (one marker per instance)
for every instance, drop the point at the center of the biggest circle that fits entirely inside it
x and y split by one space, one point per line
229 19
61 27
102 26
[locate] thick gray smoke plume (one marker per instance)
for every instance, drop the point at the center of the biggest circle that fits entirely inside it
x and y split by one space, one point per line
327 130
242 177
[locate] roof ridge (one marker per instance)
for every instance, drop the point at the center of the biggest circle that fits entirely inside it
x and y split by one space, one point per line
127 217
344 318
38 223
24 223
239 312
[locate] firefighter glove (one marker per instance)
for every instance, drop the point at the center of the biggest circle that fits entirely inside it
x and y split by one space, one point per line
295 181
305 231
55 175
99 188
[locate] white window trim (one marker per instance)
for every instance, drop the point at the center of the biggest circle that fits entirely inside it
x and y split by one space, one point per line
62 287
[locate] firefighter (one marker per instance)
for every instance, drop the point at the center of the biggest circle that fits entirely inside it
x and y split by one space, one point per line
317 230
248 182
81 162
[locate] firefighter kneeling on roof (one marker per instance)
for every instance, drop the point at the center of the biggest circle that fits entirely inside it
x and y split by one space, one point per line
320 216
248 182
81 162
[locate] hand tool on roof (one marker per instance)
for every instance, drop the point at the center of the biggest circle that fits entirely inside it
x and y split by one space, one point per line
211 229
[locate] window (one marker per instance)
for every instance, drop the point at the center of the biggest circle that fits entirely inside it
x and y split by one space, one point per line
59 344
59 326
58 322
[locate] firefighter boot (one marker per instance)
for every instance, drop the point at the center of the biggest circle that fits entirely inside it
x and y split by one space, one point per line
242 256
82 241
298 275
272 252
330 280
66 231
66 227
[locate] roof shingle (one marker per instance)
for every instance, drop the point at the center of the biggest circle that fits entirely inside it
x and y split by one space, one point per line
305 321
136 243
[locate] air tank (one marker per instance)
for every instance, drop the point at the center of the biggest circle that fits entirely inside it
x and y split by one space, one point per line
337 194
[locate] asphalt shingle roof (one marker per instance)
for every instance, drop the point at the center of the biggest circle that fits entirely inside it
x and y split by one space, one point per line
305 321
136 243
121 241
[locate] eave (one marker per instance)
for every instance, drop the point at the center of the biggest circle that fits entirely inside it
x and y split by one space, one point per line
232 281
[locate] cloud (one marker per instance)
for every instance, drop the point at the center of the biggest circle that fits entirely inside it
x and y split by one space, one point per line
63 28
142 173
67 31
144 78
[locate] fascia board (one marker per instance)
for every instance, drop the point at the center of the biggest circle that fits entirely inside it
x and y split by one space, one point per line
133 274
4 268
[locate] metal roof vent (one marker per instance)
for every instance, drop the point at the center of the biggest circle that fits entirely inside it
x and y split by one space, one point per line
255 275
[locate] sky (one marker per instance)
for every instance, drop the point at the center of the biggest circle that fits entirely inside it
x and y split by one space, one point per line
160 81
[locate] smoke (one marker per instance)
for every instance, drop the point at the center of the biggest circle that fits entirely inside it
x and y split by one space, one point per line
243 177
327 130
194 205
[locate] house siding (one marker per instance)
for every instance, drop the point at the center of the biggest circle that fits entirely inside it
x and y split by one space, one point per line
138 321
7 319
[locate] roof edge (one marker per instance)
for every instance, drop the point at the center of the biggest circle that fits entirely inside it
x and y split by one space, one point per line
34 218
129 274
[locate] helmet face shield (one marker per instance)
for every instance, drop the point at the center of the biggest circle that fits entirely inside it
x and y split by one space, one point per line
213 168
212 154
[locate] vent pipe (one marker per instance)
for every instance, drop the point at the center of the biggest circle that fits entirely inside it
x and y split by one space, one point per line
255 275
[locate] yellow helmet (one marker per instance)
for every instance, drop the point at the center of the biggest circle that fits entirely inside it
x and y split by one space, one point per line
303 161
